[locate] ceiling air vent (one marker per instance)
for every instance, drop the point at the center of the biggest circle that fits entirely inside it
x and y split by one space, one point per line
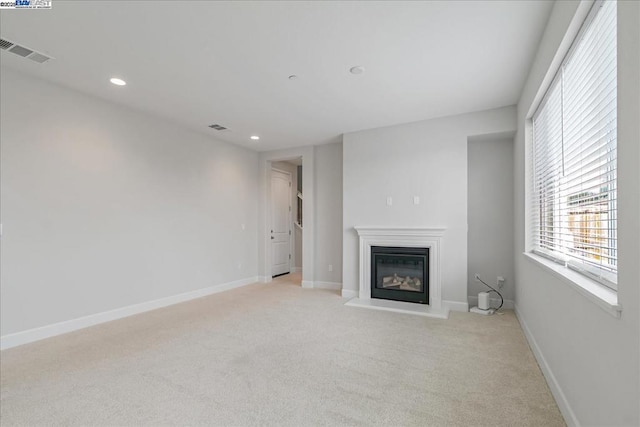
38 57
217 127
25 52
5 44
22 51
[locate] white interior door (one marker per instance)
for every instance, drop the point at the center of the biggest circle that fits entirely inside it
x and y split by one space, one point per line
280 222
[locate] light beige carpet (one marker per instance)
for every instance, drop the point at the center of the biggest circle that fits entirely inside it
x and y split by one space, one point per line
277 354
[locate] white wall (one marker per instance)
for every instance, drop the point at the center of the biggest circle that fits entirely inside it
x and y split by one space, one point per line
426 159
105 207
591 359
328 218
490 216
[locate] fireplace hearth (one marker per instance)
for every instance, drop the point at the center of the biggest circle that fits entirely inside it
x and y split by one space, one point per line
400 274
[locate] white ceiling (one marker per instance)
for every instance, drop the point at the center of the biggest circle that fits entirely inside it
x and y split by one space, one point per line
198 62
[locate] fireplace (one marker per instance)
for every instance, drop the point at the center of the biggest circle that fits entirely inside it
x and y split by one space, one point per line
401 237
400 273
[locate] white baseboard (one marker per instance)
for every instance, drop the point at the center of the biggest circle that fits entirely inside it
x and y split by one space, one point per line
327 285
307 284
265 279
36 334
554 386
455 305
348 293
495 302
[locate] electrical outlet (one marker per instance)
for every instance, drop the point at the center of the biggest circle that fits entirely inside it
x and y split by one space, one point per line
477 277
500 282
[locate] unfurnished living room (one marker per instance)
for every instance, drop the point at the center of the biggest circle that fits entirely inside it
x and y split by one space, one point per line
298 213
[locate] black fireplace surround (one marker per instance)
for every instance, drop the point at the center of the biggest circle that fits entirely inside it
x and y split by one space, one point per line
400 274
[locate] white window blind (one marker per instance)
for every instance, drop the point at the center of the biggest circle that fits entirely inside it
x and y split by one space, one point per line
574 205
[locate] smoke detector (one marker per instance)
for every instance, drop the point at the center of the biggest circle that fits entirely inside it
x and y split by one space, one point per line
217 127
23 51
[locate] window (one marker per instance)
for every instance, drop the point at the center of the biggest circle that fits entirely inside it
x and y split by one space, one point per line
574 155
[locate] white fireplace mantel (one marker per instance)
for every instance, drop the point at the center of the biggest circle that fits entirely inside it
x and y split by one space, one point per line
414 237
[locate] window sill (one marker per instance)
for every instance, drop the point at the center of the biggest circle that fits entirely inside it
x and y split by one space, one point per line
603 297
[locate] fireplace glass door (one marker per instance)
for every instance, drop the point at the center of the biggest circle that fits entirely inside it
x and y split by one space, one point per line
400 274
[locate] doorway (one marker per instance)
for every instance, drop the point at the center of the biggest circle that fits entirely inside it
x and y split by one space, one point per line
302 262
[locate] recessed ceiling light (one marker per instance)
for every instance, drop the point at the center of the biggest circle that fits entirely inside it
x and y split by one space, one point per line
255 137
117 81
293 77
357 69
